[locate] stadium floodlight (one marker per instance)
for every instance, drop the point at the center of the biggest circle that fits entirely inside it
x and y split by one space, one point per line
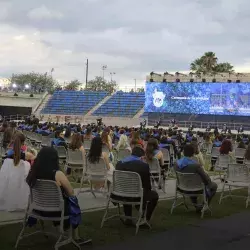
14 85
27 86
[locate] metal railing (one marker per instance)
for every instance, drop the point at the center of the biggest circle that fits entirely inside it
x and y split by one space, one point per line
17 118
203 125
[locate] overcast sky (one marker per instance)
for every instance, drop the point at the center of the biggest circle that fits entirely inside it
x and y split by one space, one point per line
131 37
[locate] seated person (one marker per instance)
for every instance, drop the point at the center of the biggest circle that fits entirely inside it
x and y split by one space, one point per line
96 153
14 191
77 143
187 165
123 143
46 167
153 151
18 143
59 140
134 163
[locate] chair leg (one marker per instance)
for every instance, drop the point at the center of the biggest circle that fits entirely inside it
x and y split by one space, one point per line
106 212
230 192
139 218
247 201
175 201
91 189
222 192
185 203
22 231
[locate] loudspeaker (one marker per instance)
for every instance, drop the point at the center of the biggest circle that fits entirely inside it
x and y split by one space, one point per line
214 80
164 80
229 80
238 81
191 80
177 80
203 80
151 80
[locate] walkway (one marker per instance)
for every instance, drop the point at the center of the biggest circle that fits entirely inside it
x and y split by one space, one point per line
88 203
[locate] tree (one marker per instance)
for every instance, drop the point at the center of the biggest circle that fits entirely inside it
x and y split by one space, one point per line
224 68
140 90
208 65
98 84
205 64
73 85
36 82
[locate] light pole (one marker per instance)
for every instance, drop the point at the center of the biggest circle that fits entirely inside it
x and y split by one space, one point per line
104 67
87 72
135 85
52 70
111 75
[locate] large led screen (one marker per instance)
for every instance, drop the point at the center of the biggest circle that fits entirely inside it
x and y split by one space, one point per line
198 98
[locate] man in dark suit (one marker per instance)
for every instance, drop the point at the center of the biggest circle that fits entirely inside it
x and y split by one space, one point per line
189 164
134 163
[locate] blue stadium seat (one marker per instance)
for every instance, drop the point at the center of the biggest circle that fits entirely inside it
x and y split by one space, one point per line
73 102
122 104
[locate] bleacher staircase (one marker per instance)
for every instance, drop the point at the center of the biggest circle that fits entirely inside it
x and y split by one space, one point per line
138 115
42 105
99 105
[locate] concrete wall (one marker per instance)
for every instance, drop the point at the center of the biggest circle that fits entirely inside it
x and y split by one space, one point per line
22 100
221 77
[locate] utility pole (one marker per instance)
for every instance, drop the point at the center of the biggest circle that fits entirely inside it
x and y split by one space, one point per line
135 85
87 72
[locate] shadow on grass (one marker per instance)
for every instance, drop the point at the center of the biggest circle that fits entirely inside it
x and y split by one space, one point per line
114 231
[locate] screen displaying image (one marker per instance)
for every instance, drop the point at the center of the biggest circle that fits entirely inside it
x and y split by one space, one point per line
198 98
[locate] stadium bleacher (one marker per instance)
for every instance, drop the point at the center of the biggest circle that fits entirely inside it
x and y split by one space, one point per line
73 102
122 104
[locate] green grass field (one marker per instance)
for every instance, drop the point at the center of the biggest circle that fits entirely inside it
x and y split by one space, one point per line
114 231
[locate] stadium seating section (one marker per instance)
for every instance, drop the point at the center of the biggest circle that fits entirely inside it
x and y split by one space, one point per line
122 104
73 102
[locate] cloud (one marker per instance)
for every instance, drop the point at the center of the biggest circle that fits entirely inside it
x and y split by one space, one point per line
131 37
43 12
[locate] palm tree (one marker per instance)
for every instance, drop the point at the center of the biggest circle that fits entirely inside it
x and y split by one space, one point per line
209 60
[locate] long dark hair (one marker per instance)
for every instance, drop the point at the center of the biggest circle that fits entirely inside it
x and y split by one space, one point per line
76 141
226 147
45 166
18 141
151 147
95 151
67 132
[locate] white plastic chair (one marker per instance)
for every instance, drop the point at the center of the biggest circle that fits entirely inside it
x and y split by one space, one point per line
87 144
95 172
166 156
240 154
128 186
237 176
189 185
122 153
156 174
222 163
46 196
62 153
46 141
76 162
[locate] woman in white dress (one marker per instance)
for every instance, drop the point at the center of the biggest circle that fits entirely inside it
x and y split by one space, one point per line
14 191
96 153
